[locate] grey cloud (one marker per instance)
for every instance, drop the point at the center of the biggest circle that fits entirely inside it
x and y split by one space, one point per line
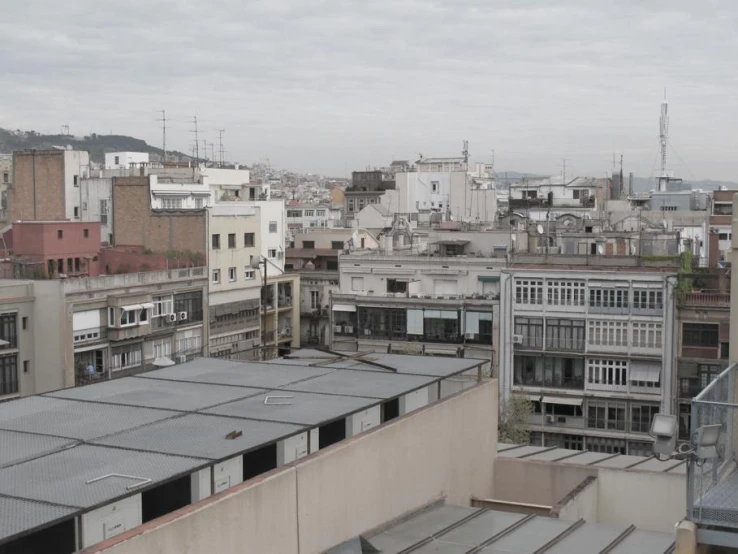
319 85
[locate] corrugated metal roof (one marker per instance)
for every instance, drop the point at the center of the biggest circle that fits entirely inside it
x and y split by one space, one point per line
17 515
367 384
450 529
153 393
62 477
201 436
302 408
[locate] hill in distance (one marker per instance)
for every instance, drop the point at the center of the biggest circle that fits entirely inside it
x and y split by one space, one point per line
96 145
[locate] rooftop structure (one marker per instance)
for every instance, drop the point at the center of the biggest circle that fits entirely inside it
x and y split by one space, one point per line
107 457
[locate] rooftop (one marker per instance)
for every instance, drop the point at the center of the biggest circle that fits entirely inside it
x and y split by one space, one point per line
138 432
460 530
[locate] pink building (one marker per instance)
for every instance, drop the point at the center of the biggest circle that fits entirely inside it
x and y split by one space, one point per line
65 247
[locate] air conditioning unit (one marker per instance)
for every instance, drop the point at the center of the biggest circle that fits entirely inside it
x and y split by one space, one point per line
181 359
338 328
348 329
182 316
550 419
561 419
517 339
367 331
171 318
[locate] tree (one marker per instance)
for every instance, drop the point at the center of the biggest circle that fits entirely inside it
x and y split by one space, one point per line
514 425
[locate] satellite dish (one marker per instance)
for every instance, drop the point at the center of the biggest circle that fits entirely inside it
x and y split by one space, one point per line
539 228
600 250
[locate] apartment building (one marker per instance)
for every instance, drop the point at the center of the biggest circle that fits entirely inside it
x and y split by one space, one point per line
46 184
594 349
721 215
444 305
537 198
309 215
366 188
234 285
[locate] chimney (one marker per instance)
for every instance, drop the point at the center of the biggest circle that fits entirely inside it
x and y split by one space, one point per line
387 244
400 240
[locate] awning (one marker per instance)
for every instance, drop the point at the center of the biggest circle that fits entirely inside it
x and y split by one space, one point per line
131 308
531 397
344 308
645 372
147 306
488 278
562 401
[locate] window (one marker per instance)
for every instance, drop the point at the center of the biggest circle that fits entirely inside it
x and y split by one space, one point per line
648 299
337 245
231 274
724 350
553 371
605 445
272 226
608 298
6 177
125 357
434 186
143 316
612 373
104 212
24 323
314 300
530 330
606 415
191 303
8 375
215 242
308 244
309 213
8 330
351 205
162 348
565 334
59 234
272 253
361 203
723 236
76 265
357 284
171 203
248 240
86 233
648 335
249 273
117 160
216 276
575 194
26 366
529 291
700 334
127 318
707 373
320 213
641 416
75 180
199 203
608 333
395 285
565 293
294 213
162 305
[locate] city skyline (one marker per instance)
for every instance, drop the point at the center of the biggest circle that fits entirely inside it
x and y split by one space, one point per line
331 87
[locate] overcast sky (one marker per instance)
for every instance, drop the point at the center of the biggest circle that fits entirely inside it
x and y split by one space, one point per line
331 86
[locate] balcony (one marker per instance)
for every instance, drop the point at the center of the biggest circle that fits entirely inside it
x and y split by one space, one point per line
88 336
712 487
523 203
611 310
526 342
707 299
565 344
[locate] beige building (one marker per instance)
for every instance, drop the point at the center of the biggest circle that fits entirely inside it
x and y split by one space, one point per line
6 182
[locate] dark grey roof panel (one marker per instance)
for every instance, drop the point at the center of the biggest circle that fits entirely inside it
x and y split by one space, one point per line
481 528
16 515
363 383
62 478
645 542
71 419
530 536
16 447
592 537
201 436
303 408
154 393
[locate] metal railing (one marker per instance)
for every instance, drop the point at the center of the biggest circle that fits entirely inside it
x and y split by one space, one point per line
712 487
707 298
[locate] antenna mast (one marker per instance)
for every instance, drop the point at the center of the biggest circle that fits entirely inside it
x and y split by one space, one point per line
197 142
221 152
663 139
163 134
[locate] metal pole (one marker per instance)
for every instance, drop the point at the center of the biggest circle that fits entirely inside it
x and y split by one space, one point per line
263 332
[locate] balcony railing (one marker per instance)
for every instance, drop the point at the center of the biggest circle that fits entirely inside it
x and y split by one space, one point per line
712 490
557 343
707 299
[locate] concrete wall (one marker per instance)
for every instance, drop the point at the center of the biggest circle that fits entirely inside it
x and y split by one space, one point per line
581 503
652 500
442 451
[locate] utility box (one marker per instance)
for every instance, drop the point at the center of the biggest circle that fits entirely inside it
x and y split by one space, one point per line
292 448
201 484
227 474
363 421
111 520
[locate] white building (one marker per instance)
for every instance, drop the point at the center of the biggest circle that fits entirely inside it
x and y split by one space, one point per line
123 160
169 195
580 196
97 205
594 351
312 215
234 184
76 168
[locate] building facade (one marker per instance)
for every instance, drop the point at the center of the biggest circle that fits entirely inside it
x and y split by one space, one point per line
594 351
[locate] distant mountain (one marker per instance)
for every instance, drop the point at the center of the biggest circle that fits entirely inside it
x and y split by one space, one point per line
96 145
